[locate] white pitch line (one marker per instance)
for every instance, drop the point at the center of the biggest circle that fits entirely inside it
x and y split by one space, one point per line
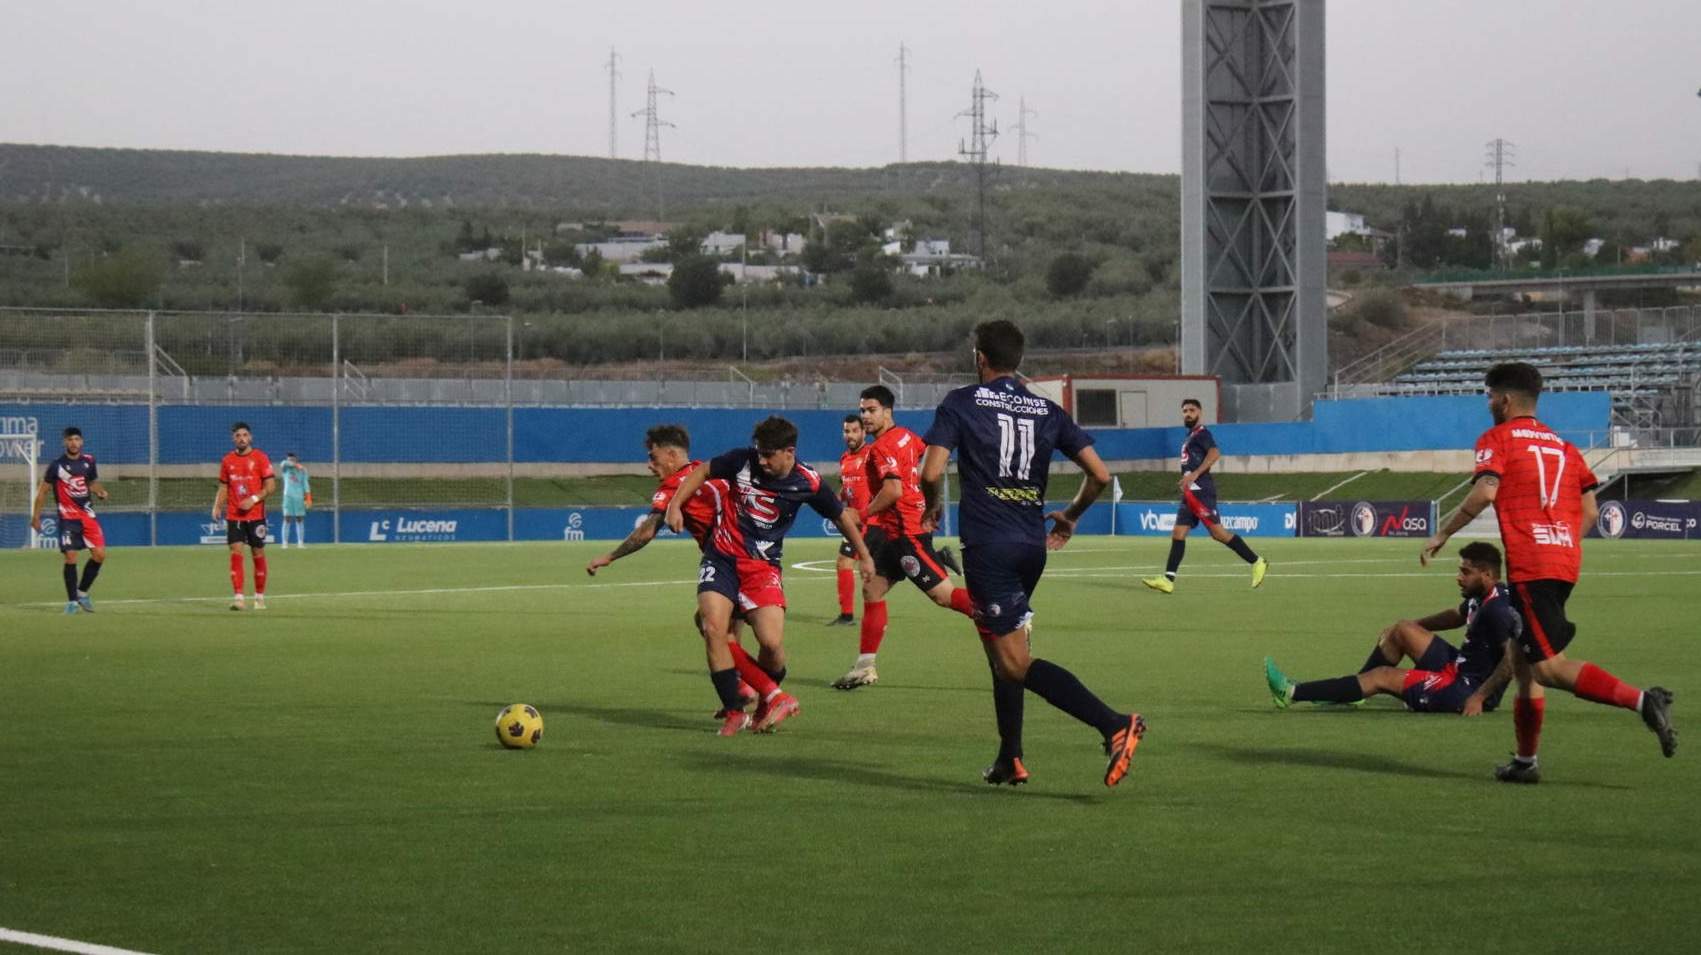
57 944
1080 574
502 588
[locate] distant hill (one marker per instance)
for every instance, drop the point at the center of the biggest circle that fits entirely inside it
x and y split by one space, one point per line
614 186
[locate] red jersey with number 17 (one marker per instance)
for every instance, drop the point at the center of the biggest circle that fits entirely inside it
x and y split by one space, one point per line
244 476
1539 504
701 511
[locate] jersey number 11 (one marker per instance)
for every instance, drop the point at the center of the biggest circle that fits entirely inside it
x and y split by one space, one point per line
1015 446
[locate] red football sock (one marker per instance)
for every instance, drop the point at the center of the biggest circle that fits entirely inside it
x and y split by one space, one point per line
873 625
1598 686
260 574
752 674
847 591
236 574
961 602
1527 722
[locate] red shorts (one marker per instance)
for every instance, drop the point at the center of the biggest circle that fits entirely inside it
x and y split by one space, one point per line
749 583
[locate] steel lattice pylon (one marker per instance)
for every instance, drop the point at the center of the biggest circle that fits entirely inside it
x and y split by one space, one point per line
1254 190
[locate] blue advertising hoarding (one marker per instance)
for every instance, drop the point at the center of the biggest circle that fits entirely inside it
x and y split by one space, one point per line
1157 518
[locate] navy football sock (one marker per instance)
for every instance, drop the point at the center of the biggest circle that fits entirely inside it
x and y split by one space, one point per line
1177 550
1376 659
726 687
1341 689
70 581
1061 689
777 675
1238 545
1007 698
91 570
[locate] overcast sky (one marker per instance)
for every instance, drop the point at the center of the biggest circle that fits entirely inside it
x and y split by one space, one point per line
1584 88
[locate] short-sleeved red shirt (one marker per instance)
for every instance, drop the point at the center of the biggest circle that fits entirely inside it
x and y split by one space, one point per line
701 511
245 475
897 453
1540 501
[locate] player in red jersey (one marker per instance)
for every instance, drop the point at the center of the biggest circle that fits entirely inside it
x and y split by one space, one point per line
245 481
71 479
669 447
853 491
1544 499
898 535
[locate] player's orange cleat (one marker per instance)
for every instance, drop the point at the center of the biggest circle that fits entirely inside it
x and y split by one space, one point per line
735 722
1120 748
1006 772
774 711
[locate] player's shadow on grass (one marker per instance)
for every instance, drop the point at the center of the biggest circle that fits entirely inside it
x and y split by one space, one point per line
840 772
1359 763
624 716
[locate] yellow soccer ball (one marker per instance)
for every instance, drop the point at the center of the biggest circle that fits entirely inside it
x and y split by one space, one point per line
519 726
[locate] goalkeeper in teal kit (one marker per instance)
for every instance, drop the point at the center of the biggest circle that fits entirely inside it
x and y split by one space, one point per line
297 498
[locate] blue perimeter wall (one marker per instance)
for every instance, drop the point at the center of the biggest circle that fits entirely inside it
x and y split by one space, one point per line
200 433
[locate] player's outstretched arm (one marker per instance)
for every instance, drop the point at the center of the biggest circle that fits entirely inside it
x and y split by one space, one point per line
675 518
1095 477
41 494
1500 677
634 542
1481 496
933 483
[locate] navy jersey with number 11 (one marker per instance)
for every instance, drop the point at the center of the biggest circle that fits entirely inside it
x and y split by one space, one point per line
1004 436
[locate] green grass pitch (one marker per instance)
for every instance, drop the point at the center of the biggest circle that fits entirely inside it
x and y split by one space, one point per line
175 777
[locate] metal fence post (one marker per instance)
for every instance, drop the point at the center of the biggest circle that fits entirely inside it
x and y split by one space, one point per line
508 402
153 432
336 434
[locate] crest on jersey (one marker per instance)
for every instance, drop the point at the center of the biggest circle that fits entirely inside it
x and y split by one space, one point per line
912 567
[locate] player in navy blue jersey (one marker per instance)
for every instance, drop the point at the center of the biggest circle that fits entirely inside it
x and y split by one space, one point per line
1445 679
741 561
1004 436
1199 453
71 479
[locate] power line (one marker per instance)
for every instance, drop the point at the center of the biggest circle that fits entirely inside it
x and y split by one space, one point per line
1022 134
652 139
903 103
613 65
975 149
1500 153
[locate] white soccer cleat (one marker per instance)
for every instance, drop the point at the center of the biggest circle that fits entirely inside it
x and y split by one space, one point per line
237 603
259 601
858 676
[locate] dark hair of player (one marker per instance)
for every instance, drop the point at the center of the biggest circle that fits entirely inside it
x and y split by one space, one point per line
1001 342
73 431
289 454
1515 376
1481 554
240 426
882 394
774 433
855 419
668 436
1192 401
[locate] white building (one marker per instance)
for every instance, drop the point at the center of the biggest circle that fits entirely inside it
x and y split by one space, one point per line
722 243
1337 224
622 248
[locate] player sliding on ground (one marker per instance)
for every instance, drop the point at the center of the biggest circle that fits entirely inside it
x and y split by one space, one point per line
741 563
1544 500
1004 436
245 481
669 447
1467 680
1199 454
70 480
900 536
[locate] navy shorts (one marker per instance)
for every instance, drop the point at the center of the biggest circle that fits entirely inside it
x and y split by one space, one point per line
1001 579
1197 506
1436 658
1435 691
748 583
80 534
